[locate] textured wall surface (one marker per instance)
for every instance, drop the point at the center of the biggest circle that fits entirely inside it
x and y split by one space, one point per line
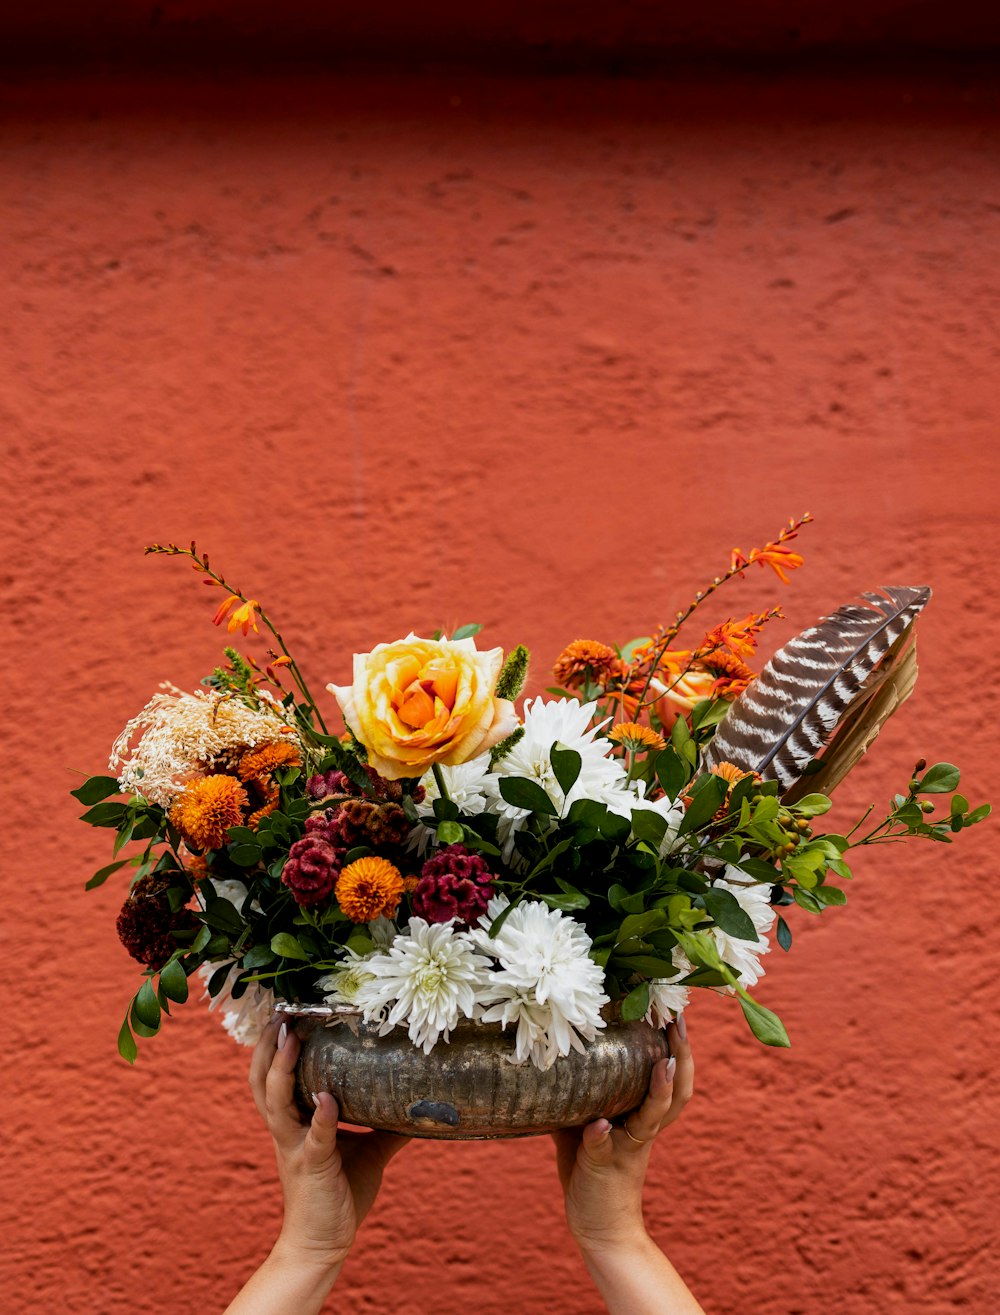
536 353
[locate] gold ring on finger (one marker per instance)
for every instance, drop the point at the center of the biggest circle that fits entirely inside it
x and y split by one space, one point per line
639 1141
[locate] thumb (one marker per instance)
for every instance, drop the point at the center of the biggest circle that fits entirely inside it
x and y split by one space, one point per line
596 1146
321 1138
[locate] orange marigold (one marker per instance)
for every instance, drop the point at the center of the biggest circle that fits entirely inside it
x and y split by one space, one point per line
636 738
260 763
731 773
206 810
587 659
369 888
258 815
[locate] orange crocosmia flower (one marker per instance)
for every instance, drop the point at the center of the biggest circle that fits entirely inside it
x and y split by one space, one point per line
245 618
223 610
740 637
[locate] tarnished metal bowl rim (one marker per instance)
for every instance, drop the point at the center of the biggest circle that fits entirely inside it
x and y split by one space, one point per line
470 1087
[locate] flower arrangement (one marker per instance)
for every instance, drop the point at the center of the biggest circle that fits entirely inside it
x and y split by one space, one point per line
635 834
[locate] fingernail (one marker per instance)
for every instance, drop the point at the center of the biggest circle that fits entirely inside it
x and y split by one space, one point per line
315 1098
671 1068
682 1027
604 1126
282 1035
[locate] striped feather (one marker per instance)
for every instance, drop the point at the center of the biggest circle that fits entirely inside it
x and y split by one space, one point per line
788 715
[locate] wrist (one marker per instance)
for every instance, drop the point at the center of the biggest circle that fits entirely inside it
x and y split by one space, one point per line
615 1246
318 1261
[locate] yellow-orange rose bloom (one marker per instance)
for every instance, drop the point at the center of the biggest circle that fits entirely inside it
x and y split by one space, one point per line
423 701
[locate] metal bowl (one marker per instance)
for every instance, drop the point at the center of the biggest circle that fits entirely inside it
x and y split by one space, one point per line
468 1088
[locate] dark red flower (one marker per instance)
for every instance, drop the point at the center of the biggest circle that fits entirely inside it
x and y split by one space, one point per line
311 870
146 922
454 884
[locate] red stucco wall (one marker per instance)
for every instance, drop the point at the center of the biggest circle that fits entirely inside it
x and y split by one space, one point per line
536 353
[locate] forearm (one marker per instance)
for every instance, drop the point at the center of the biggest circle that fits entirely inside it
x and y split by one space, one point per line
286 1285
637 1279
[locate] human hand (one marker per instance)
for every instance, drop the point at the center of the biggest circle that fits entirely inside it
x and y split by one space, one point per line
329 1178
602 1169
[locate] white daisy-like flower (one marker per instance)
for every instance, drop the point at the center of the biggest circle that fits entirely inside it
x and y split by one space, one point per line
754 898
512 1006
430 977
556 721
244 1019
667 997
465 785
545 964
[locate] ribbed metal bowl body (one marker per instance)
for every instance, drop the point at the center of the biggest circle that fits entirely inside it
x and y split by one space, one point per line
468 1088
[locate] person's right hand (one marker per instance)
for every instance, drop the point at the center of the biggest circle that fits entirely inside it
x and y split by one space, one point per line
329 1180
602 1168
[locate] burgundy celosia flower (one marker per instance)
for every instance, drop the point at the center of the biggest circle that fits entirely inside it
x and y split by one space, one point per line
146 922
311 870
453 884
333 782
363 822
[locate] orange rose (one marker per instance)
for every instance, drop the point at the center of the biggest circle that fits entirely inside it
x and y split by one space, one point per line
678 696
423 701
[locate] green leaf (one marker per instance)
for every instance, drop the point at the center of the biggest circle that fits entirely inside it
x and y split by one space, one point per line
671 773
616 829
146 1007
346 762
549 858
813 805
201 940
105 814
807 900
522 793
96 788
959 805
729 915
101 876
502 917
126 1043
705 803
258 956
445 810
636 1003
567 902
285 944
472 840
829 895
942 778
638 924
245 856
978 814
450 833
174 982
784 933
648 965
765 1026
467 631
649 826
566 764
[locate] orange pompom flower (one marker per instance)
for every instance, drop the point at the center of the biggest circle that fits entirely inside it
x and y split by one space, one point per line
587 659
369 888
206 810
261 763
637 739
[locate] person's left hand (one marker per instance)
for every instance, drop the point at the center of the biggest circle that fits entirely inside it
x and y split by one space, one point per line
329 1179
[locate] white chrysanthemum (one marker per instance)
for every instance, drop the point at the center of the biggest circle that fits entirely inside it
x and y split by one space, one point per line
667 997
178 734
341 987
430 977
545 962
244 1019
754 898
509 1006
558 721
464 783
